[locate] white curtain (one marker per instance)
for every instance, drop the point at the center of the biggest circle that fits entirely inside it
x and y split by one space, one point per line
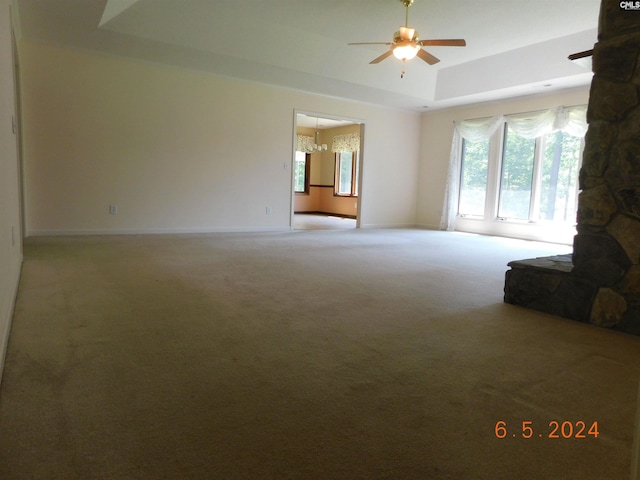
349 142
304 143
451 189
572 120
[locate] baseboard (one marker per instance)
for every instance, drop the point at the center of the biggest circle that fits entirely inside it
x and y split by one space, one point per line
154 231
388 225
316 212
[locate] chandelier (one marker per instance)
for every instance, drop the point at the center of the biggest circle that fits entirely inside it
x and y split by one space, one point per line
316 147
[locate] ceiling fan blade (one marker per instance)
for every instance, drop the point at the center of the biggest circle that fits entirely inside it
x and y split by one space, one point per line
427 57
407 33
454 42
382 57
371 43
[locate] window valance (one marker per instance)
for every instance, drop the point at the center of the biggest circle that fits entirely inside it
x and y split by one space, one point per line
304 143
349 142
478 129
572 120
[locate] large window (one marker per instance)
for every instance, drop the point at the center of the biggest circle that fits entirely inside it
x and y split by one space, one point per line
532 180
516 175
346 174
301 172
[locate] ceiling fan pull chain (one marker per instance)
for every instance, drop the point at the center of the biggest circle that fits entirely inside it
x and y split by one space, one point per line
404 64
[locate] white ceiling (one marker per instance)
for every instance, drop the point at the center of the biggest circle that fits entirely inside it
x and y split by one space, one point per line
514 47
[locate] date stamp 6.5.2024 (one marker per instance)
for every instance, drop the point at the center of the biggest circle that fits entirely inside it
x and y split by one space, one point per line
554 429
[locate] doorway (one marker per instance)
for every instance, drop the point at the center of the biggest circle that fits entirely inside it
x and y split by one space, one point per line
326 172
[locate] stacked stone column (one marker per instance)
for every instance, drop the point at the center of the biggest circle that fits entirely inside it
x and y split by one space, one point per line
600 284
606 254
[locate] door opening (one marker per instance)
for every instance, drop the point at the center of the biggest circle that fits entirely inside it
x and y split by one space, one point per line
327 172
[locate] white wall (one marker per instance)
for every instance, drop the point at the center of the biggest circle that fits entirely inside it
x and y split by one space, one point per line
179 150
437 134
10 241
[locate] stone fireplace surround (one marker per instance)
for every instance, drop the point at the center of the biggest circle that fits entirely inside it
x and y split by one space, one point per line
600 282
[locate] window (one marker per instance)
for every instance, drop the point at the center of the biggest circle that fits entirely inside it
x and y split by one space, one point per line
559 182
539 177
301 172
473 180
516 180
532 180
346 174
516 175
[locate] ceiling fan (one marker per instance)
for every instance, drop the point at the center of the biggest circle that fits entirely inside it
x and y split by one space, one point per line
406 44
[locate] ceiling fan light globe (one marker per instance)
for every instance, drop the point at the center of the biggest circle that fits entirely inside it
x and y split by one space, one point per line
405 52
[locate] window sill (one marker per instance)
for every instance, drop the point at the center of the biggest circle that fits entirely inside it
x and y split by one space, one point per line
562 233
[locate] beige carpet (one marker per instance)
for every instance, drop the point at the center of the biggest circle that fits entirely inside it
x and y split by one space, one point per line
349 354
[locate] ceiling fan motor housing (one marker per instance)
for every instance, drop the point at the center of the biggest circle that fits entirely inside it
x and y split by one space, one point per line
398 39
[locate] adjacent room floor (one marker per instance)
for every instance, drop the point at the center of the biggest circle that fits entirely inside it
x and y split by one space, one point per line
347 354
306 221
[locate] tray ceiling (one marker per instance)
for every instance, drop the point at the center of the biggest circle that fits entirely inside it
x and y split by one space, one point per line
514 47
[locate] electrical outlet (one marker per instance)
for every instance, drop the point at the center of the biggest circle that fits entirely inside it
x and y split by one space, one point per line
113 209
268 211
